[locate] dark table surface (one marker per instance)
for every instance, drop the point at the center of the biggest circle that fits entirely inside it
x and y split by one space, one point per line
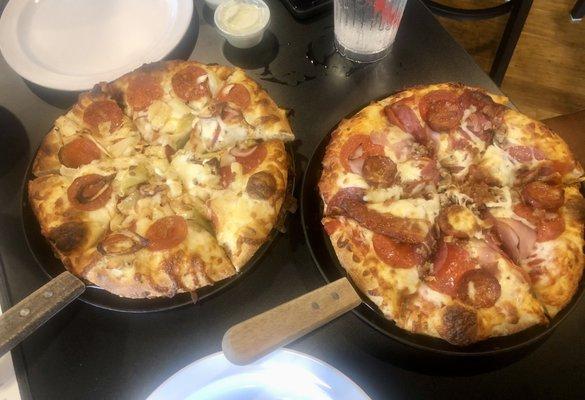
87 352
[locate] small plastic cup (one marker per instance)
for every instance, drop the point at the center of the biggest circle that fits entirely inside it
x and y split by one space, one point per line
213 4
252 30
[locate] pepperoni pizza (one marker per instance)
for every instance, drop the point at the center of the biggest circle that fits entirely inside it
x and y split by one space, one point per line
163 181
459 217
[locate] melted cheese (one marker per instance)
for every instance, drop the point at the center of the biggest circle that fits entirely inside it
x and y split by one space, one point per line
350 179
464 221
437 298
382 194
229 134
197 177
410 208
497 162
409 171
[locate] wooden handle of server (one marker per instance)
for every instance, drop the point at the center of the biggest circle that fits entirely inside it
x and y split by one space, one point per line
29 314
254 338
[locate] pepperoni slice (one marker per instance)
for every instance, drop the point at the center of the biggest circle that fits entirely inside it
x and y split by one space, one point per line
103 111
479 288
441 95
541 195
78 152
395 254
379 171
190 83
227 176
142 90
443 115
331 225
254 159
90 192
526 153
358 147
166 233
549 226
237 94
451 263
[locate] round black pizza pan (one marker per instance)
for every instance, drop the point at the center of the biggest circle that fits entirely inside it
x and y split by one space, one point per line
96 296
326 261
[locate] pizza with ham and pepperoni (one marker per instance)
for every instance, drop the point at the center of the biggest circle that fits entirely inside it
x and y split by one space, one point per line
458 217
163 181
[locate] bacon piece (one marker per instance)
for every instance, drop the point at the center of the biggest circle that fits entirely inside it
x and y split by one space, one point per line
395 254
331 225
349 202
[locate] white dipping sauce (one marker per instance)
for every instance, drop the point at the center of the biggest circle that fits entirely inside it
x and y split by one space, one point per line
242 18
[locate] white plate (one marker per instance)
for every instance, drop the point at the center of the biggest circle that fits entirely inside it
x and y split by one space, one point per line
283 375
74 44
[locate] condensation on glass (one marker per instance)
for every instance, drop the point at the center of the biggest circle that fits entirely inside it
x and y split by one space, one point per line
366 29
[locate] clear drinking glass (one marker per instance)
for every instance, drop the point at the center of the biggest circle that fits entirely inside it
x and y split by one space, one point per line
366 29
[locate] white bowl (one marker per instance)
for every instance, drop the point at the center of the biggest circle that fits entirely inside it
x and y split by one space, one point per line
247 38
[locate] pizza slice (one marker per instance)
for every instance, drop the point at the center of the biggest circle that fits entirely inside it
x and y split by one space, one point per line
147 97
74 211
528 151
456 123
384 269
541 228
387 164
95 128
243 189
240 110
158 244
470 292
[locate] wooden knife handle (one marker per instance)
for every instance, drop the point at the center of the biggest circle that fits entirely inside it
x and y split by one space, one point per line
29 314
254 338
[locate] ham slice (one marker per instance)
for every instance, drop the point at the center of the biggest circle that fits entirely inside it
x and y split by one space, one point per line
517 239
